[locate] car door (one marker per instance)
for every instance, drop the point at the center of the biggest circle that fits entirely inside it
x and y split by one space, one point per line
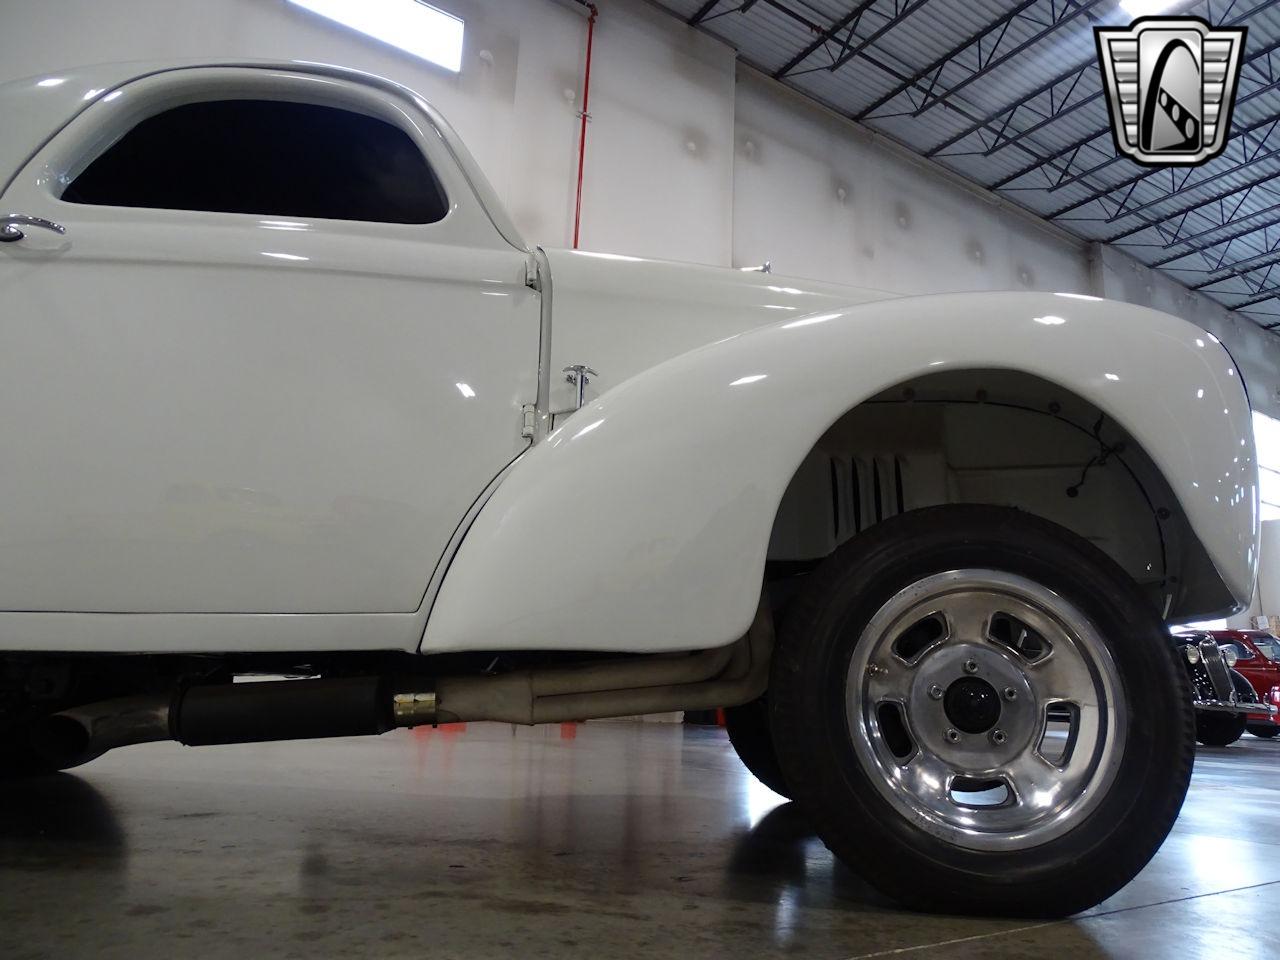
1255 665
277 353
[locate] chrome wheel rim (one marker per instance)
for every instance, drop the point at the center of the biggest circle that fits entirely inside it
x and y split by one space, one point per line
986 708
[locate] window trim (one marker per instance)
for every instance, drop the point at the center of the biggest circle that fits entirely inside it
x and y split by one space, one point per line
468 222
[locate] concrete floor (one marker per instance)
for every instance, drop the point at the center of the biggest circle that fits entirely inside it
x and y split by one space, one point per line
604 840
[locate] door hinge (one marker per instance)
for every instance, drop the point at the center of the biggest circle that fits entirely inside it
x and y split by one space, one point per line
529 413
531 275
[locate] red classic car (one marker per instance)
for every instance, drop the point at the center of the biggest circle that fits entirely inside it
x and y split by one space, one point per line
1257 656
1225 702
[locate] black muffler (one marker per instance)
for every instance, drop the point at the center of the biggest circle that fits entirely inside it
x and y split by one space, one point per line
250 712
282 710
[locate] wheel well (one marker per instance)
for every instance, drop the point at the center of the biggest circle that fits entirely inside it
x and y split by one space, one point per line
997 437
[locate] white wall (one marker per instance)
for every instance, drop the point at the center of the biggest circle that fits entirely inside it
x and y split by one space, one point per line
688 156
1256 352
897 227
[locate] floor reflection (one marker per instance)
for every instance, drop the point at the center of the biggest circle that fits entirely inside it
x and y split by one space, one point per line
612 839
775 846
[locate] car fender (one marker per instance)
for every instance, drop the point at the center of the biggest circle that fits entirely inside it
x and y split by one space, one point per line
642 522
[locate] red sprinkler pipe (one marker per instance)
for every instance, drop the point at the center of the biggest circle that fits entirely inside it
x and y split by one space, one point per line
582 136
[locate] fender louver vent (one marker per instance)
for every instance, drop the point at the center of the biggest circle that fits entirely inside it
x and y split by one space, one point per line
865 490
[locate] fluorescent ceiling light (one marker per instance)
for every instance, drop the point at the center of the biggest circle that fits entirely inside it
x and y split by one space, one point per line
1145 8
416 27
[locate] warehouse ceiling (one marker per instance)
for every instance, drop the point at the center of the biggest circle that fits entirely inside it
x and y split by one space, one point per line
1008 94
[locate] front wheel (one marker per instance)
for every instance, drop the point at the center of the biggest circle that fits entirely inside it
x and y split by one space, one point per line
1219 729
1266 733
983 713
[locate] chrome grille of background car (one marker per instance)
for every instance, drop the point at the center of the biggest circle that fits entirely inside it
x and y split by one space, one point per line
1216 667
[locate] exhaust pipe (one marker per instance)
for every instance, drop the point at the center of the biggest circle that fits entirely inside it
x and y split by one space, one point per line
722 677
364 706
80 734
227 713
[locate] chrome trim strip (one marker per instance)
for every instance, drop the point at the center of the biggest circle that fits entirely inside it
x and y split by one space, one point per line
542 412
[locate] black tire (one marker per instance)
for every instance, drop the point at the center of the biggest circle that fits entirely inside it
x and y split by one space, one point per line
749 732
1219 729
1069 872
1224 729
1266 733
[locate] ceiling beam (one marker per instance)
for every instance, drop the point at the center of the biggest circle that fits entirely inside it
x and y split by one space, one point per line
849 20
974 39
1166 216
1071 74
702 12
1217 241
1240 268
900 14
1079 8
1100 132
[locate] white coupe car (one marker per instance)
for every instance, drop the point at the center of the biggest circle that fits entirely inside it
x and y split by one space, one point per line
284 391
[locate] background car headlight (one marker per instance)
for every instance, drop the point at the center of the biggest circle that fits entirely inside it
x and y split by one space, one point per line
1193 654
1229 655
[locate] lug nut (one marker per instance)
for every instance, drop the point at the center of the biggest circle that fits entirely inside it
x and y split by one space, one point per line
971 666
952 736
935 692
998 737
1010 694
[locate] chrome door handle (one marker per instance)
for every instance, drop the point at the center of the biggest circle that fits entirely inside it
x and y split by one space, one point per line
10 232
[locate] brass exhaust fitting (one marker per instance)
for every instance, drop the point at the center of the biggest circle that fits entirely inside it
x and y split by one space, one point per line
414 709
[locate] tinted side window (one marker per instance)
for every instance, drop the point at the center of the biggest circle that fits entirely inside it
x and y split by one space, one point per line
266 157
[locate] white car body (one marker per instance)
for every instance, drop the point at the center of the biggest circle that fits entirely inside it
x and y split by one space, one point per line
227 432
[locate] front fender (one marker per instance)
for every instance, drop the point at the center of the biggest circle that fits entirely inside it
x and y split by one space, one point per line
642 523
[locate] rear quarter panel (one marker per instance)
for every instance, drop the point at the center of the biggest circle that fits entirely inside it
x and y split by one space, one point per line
642 523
